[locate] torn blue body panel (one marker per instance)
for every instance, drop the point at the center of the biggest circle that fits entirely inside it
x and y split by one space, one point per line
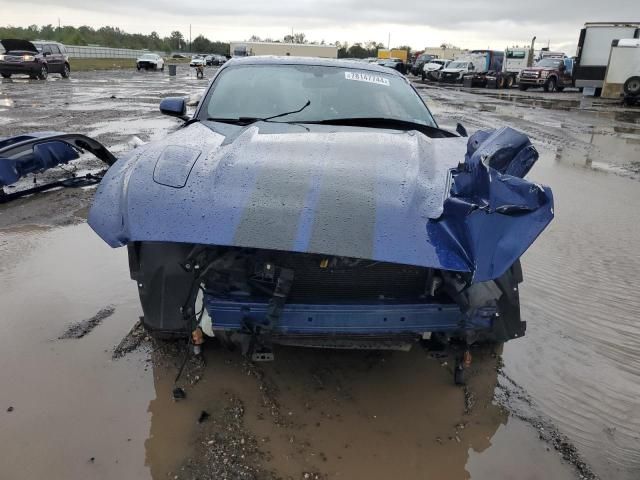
37 152
492 215
379 194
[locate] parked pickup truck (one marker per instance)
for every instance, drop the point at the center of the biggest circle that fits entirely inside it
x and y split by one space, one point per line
552 74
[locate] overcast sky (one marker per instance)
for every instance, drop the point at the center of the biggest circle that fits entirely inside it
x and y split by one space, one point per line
465 23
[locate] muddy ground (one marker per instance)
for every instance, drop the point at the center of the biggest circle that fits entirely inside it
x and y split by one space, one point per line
85 394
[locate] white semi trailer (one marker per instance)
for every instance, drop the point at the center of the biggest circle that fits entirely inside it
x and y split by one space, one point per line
594 46
246 49
623 70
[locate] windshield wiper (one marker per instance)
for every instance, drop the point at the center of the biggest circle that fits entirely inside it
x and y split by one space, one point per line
384 122
250 120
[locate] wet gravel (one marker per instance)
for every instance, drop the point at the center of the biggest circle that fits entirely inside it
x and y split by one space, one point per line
80 329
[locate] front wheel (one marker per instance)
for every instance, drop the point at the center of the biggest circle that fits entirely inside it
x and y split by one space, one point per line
509 81
138 66
162 68
66 71
43 73
6 75
550 85
524 88
424 76
559 89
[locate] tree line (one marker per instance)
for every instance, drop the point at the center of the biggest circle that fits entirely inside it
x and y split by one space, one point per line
116 38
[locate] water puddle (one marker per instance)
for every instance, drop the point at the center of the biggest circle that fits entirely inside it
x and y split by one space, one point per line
342 414
581 356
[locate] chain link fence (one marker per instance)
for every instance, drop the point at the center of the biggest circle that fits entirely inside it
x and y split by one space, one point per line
75 51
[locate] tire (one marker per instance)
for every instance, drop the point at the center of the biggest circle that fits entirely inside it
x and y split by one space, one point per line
424 76
523 88
632 86
66 71
162 68
509 81
500 82
458 373
559 89
550 85
6 75
43 73
138 66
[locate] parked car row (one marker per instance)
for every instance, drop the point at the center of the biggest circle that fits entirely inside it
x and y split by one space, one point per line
208 60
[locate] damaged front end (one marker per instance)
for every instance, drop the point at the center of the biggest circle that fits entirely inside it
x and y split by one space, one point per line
466 293
317 300
35 153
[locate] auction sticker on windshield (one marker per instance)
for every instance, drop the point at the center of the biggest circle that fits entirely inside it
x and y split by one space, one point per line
366 77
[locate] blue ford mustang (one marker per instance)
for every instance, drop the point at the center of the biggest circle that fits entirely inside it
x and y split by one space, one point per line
317 202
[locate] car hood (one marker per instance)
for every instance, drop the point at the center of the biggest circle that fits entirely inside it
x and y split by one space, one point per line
340 191
433 66
12 45
537 69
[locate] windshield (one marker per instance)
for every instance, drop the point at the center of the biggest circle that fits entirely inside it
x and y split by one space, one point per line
260 91
549 62
458 65
516 53
148 56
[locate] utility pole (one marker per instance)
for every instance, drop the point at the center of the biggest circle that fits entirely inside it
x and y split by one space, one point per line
58 23
190 44
389 43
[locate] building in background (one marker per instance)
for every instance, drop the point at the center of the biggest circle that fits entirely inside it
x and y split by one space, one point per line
247 49
448 53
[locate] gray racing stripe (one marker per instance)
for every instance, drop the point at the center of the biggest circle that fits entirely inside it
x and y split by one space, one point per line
346 211
271 215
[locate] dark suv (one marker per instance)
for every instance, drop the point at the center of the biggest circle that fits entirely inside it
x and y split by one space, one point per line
36 59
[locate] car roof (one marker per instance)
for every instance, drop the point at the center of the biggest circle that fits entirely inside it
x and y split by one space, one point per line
312 61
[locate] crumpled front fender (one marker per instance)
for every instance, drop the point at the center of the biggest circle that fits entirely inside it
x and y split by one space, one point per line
492 214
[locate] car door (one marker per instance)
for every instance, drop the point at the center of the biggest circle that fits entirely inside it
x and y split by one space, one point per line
47 51
58 60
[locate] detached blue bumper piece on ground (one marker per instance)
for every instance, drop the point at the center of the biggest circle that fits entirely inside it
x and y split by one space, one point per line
35 153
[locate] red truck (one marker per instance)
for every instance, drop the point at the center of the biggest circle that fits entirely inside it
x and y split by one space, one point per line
553 74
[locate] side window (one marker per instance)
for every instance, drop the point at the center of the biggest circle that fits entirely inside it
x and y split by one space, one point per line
46 49
54 48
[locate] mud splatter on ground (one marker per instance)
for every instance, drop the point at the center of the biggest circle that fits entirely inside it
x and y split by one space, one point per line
80 329
132 341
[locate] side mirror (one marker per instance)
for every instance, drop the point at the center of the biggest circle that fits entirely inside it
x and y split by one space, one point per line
461 130
174 107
